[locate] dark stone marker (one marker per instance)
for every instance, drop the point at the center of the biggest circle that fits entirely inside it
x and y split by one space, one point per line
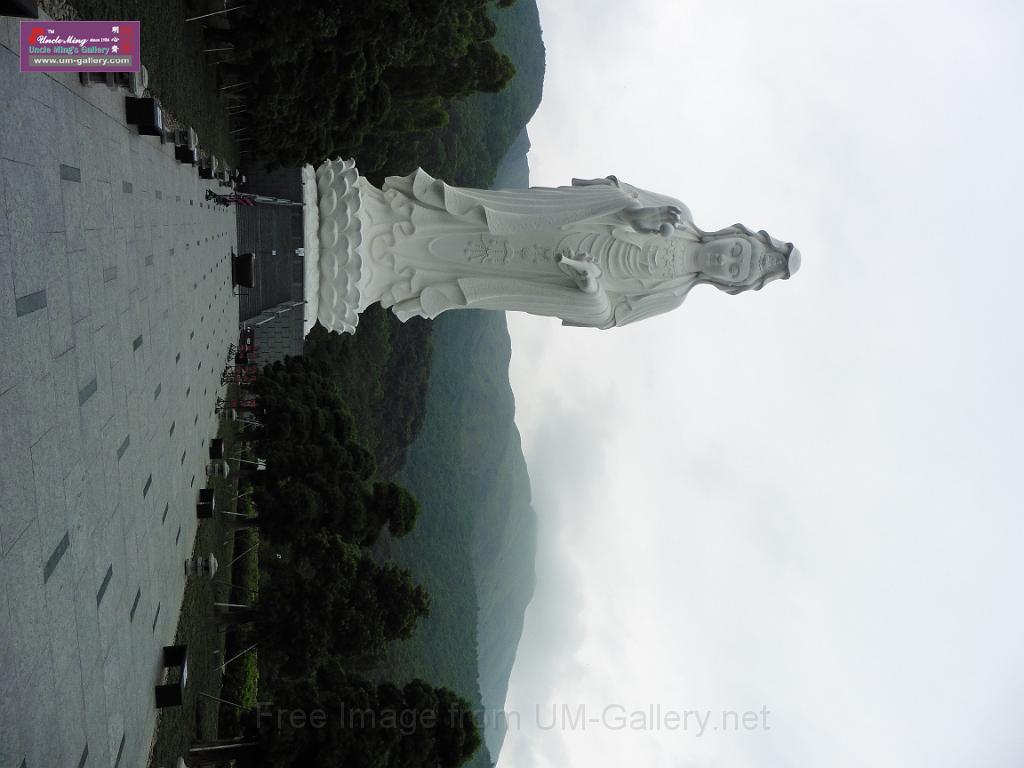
145 115
186 155
167 508
120 752
28 9
70 173
135 605
31 303
243 270
104 585
157 391
54 560
183 457
156 617
84 757
205 504
124 446
178 535
171 433
126 187
137 342
145 489
86 392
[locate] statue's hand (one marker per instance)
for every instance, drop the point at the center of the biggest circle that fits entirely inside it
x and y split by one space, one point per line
584 273
663 219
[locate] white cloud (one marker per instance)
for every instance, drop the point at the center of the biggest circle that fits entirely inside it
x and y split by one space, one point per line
804 497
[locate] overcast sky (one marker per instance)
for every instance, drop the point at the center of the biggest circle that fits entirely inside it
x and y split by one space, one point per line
806 498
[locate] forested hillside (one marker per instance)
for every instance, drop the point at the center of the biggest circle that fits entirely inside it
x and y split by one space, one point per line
474 544
396 85
482 128
381 372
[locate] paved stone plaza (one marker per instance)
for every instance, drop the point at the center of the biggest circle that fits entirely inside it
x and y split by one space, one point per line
116 310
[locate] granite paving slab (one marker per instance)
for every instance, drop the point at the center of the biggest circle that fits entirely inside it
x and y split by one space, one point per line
114 323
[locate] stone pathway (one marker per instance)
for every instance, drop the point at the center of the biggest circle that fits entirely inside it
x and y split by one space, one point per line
116 310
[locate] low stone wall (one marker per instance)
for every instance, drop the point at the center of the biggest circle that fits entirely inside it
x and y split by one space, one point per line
278 332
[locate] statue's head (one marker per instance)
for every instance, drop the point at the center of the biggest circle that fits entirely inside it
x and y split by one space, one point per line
737 259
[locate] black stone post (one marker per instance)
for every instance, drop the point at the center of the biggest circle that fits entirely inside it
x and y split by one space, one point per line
145 114
205 504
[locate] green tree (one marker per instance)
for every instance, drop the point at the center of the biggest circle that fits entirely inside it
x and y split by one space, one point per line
396 506
328 599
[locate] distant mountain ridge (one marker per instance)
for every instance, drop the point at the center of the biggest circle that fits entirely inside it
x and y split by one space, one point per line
514 171
504 552
474 546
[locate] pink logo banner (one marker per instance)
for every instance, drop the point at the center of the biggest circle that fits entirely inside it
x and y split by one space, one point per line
80 46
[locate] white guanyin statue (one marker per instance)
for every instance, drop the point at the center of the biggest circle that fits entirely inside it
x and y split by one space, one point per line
600 253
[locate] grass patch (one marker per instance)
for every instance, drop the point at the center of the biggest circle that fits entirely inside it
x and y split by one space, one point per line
241 678
250 682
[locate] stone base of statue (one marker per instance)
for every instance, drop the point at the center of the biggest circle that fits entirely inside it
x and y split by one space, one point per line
332 234
600 253
365 245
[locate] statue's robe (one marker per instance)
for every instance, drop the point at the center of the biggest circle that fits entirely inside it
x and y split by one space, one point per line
435 247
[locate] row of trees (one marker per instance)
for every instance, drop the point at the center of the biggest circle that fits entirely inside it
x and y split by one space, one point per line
342 719
319 475
327 608
381 373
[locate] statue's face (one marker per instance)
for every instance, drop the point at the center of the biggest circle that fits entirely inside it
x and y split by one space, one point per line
726 259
